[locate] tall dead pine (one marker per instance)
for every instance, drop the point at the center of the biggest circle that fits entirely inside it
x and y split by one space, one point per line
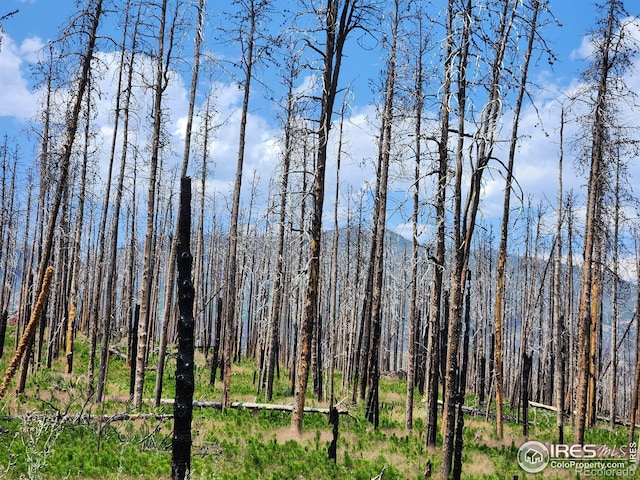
418 98
341 17
273 335
435 303
464 218
377 244
609 59
558 321
185 382
121 108
253 15
504 229
148 268
169 290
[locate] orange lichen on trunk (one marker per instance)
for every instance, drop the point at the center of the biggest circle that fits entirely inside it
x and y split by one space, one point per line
28 332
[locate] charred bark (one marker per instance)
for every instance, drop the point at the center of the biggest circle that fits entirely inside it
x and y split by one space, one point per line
185 382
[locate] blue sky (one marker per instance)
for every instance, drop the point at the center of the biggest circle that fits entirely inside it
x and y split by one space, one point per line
43 19
40 20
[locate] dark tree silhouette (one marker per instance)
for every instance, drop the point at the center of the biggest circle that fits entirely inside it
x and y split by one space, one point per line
183 406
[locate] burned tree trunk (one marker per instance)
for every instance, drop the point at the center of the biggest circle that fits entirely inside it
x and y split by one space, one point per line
462 386
377 255
215 356
558 321
610 62
183 406
149 267
527 361
334 419
341 18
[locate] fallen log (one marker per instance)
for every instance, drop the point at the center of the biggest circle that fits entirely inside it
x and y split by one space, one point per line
119 417
553 408
600 418
88 418
256 406
117 353
467 409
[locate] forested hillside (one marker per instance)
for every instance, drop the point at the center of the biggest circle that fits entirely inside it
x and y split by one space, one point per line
333 195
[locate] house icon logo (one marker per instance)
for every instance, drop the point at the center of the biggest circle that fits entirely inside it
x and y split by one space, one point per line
533 457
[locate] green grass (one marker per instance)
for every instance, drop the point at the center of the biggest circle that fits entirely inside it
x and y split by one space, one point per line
37 441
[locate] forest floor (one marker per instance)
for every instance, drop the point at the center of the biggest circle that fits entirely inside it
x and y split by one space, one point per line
51 431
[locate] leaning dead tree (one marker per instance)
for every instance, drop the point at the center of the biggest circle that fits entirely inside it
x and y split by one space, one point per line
92 16
29 332
185 382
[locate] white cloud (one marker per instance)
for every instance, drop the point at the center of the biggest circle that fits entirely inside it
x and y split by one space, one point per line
584 51
16 98
536 167
30 47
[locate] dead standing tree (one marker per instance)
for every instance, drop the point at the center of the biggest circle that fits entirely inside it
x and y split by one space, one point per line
480 146
253 14
110 273
418 99
558 320
435 301
376 268
8 241
162 60
635 392
290 115
170 274
504 229
185 381
611 57
459 263
341 18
